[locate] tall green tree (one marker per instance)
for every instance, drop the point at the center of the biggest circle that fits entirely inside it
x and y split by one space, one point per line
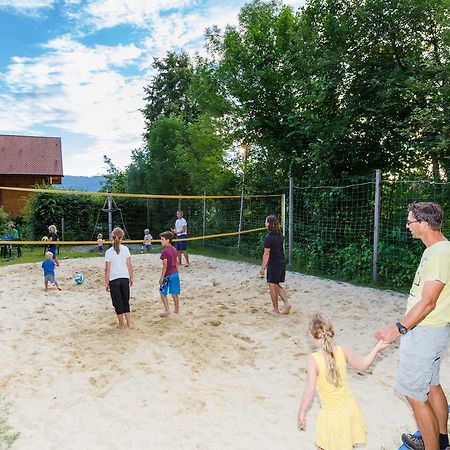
168 92
185 146
255 74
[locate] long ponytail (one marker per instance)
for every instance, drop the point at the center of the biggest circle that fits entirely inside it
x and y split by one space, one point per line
321 329
117 233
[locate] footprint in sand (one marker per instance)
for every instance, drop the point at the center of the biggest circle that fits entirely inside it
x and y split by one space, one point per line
245 338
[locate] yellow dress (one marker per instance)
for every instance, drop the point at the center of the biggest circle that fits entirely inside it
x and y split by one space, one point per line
340 424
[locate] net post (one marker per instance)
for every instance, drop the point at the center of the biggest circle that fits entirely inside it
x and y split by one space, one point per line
376 226
204 217
241 218
291 220
283 213
110 222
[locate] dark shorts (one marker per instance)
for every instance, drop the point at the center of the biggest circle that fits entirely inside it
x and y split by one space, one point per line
53 250
120 294
181 246
276 273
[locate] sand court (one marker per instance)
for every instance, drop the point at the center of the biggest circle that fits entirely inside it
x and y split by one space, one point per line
224 374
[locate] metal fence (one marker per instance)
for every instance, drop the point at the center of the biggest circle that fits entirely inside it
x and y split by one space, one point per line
356 231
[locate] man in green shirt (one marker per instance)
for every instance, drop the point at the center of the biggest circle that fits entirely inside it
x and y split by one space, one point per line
13 234
425 331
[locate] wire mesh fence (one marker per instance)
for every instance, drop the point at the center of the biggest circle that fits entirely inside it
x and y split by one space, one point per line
333 229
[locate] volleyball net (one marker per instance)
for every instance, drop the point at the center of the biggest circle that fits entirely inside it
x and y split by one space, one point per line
228 221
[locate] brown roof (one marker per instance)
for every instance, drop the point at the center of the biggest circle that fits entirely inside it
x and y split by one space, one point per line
30 155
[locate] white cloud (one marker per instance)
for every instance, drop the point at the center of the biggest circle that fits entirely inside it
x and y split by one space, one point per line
185 31
77 89
84 90
109 13
296 4
26 4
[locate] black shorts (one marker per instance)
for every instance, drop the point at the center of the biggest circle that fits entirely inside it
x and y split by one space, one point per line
276 273
120 294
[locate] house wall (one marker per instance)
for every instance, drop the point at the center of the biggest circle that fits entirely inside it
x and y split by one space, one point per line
13 202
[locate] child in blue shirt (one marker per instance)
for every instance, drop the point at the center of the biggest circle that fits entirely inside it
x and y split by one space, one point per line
49 270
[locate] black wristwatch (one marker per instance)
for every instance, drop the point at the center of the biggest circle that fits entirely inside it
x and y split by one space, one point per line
401 328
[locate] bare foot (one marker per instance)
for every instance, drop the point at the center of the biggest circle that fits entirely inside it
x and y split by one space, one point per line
164 314
59 289
274 311
187 265
122 327
177 311
287 309
130 325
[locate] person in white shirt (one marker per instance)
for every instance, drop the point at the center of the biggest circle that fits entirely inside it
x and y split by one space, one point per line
181 231
119 277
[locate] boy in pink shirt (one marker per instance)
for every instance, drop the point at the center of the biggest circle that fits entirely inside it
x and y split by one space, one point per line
169 281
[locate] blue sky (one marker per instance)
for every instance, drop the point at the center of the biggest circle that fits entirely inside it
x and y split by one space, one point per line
76 68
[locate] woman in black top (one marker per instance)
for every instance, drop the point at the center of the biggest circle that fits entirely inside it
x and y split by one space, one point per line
273 259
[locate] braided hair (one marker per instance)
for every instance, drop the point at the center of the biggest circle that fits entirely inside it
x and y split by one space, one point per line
322 330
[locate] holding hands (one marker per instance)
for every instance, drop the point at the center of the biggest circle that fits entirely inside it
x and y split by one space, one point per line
388 335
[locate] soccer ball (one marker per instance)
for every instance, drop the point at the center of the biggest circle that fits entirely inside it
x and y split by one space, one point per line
45 238
79 278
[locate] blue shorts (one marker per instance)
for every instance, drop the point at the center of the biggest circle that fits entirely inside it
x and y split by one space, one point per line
50 278
420 353
181 246
171 285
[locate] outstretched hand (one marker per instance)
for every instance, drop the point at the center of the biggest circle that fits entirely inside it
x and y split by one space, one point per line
381 345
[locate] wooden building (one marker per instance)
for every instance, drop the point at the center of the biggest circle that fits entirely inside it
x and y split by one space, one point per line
24 162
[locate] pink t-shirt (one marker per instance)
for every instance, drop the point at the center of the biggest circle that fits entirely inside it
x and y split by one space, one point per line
171 254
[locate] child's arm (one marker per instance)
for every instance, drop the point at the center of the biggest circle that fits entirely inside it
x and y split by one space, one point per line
163 272
308 393
107 272
364 363
130 270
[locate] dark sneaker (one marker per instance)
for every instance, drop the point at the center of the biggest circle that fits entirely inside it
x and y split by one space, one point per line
413 442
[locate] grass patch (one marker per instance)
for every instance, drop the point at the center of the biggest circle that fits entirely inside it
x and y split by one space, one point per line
33 253
221 252
7 435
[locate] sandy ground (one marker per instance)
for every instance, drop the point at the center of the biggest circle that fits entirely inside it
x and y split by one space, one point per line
224 374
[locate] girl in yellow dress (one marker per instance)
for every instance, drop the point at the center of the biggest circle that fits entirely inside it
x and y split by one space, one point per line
340 425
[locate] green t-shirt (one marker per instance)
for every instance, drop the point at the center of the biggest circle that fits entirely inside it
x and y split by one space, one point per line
434 266
13 234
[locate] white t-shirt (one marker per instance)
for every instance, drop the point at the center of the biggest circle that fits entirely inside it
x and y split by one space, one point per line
118 262
179 225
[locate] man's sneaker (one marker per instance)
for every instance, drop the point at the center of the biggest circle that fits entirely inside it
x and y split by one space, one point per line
413 442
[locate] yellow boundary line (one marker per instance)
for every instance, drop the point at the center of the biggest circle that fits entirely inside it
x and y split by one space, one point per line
115 194
131 241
